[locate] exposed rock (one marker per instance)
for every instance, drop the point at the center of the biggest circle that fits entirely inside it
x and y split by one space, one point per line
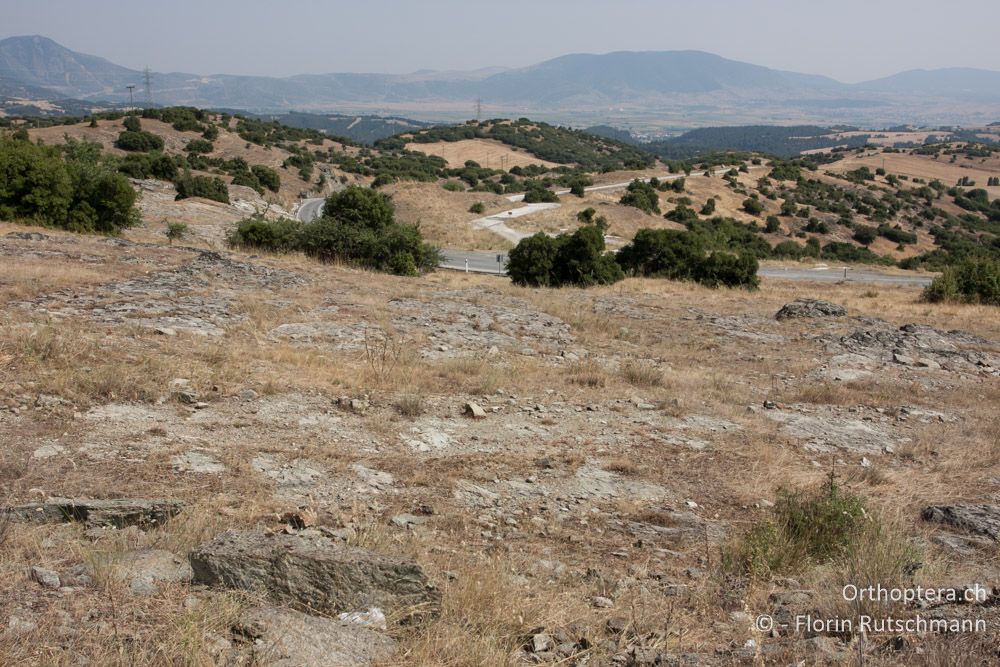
810 308
287 638
197 462
308 570
145 513
407 520
978 519
915 345
47 578
146 569
473 410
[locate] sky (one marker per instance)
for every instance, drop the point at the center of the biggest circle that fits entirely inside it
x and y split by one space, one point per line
849 40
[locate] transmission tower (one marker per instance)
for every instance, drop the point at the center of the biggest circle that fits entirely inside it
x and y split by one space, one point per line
131 100
147 80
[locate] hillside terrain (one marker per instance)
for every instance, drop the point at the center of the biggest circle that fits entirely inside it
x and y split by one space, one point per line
558 470
687 88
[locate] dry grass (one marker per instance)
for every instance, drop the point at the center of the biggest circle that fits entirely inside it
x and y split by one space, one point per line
488 153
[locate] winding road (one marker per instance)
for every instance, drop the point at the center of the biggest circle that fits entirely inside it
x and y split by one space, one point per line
473 261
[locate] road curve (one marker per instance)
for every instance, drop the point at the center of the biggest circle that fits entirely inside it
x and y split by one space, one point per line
474 261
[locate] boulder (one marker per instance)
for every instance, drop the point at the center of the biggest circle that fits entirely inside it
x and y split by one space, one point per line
144 513
474 410
311 572
810 308
287 638
978 519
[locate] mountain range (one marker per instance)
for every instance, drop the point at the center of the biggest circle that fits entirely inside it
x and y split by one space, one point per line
615 85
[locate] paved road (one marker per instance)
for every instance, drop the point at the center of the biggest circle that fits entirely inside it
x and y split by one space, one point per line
310 209
486 261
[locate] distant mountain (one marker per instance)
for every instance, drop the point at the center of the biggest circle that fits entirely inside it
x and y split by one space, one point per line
693 85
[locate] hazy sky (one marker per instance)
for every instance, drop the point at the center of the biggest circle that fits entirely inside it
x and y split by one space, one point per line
850 40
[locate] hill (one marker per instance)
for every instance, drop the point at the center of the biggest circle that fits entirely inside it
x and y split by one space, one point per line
700 86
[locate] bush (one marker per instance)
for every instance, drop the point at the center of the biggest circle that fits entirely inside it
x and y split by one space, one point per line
753 206
139 142
805 527
282 235
865 235
972 281
569 259
478 208
267 177
202 186
132 124
709 207
199 146
536 193
773 224
37 185
677 255
175 231
641 195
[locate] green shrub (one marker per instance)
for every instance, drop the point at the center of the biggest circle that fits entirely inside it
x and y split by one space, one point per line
677 255
175 231
453 186
132 124
753 206
569 259
478 208
139 142
682 214
709 207
641 195
202 186
255 232
972 281
267 177
773 225
38 186
199 146
535 193
805 527
865 235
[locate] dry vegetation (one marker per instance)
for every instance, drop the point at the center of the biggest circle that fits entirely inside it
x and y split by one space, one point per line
625 442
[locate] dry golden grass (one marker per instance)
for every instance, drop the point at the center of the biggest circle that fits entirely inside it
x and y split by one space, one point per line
643 338
488 153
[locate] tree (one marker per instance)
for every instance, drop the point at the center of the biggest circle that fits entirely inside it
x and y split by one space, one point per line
176 231
267 177
709 207
577 189
202 186
530 262
360 207
140 141
773 224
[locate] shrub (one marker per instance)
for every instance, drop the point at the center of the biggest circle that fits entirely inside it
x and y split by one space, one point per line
37 185
709 207
199 146
255 232
267 177
453 186
682 214
805 527
202 186
973 281
641 195
677 255
139 142
865 235
478 208
568 259
753 206
132 124
175 231
535 193
773 224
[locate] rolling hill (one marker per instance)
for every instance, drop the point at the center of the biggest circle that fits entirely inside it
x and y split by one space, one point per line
702 87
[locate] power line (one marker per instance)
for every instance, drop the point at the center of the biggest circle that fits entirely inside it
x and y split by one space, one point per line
147 78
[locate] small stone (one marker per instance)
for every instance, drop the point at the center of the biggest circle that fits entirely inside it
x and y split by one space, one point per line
602 602
408 520
248 395
474 410
541 642
617 625
47 578
165 331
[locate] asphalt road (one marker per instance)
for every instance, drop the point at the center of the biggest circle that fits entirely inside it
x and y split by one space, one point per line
475 261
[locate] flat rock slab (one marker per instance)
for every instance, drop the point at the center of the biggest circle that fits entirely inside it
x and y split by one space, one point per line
144 513
978 519
311 572
810 308
286 638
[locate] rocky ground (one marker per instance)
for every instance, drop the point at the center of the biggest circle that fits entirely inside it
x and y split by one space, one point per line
216 458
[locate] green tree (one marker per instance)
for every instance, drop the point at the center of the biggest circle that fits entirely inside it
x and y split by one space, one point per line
531 261
360 207
753 206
